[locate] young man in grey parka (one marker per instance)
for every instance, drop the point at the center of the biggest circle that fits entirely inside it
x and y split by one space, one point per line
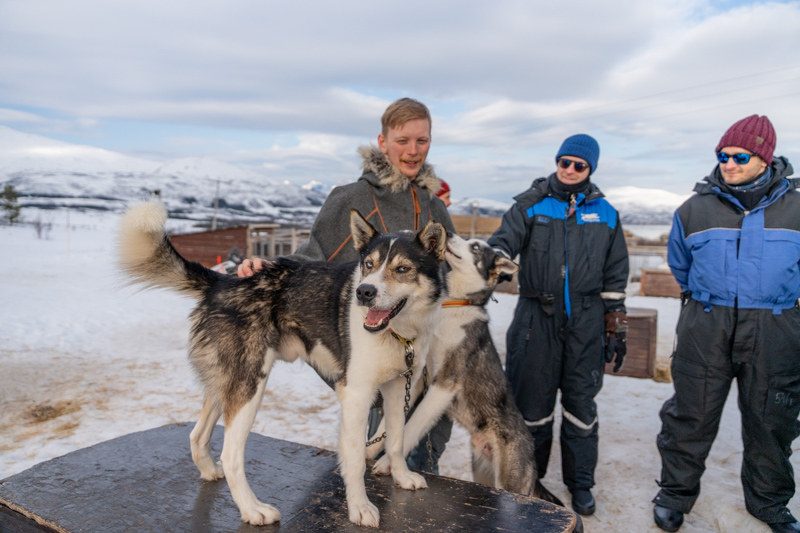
397 191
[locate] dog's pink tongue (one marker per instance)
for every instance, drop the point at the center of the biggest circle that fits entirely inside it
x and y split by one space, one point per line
375 316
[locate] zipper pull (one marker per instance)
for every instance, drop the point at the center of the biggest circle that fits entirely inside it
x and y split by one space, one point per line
571 208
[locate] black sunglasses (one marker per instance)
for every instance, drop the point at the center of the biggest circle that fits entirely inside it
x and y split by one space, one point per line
739 159
579 167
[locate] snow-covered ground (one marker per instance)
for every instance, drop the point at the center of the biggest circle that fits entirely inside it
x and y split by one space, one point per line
84 359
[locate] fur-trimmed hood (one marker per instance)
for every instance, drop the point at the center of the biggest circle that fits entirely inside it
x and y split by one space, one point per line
385 174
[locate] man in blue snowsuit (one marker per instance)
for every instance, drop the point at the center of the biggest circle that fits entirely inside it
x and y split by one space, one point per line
570 317
735 251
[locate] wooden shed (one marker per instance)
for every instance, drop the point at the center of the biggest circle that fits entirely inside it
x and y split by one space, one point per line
260 240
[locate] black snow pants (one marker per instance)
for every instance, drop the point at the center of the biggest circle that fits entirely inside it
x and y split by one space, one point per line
762 351
546 352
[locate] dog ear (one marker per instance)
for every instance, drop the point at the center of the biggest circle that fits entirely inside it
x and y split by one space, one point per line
433 238
505 266
362 231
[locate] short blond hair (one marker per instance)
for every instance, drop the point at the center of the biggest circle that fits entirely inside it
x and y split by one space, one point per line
402 111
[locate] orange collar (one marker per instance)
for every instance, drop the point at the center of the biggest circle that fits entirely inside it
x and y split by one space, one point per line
456 303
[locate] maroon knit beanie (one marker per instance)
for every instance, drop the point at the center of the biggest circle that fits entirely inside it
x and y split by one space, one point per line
753 133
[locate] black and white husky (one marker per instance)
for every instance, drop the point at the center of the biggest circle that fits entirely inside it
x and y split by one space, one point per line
468 379
352 323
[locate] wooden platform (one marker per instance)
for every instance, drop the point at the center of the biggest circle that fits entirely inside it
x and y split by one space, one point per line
641 340
147 483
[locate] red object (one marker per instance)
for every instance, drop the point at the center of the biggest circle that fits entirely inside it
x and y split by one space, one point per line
219 259
445 188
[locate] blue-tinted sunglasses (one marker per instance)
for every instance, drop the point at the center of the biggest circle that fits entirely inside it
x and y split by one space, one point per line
579 167
739 159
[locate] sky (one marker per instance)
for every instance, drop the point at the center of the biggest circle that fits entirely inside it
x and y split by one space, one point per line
292 88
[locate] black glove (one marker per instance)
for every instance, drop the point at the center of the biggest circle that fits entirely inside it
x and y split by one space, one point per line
616 338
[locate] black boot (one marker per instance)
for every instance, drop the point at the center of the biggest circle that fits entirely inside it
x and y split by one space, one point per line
785 527
667 519
583 501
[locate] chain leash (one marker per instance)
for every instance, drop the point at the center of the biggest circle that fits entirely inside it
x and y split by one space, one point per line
409 346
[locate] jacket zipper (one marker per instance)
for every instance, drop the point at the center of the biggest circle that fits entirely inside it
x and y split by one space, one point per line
570 211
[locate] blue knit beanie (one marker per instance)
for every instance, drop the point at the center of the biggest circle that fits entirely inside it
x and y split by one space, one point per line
582 146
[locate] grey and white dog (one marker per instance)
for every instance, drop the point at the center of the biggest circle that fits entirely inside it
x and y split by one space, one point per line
343 320
468 379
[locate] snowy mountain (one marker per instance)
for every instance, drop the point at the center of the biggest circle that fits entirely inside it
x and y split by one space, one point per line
644 206
48 173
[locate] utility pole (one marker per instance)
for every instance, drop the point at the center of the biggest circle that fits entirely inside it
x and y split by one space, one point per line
474 219
67 232
216 204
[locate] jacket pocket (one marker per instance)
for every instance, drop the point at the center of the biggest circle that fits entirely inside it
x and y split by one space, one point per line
783 406
540 238
780 272
714 263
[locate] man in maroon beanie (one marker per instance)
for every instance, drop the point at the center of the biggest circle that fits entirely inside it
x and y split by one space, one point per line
735 251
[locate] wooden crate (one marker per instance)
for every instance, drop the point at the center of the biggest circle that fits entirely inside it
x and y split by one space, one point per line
658 282
642 336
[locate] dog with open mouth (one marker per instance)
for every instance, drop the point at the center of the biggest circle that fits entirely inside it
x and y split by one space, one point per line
364 327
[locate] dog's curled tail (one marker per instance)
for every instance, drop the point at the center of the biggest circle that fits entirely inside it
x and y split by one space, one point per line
146 255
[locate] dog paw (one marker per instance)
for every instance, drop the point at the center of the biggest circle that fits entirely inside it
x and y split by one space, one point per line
260 514
212 471
364 514
410 480
382 467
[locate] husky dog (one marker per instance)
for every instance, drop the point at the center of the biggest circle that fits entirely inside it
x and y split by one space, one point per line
354 323
468 379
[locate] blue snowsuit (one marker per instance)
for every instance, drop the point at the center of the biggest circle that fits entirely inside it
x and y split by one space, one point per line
741 271
574 269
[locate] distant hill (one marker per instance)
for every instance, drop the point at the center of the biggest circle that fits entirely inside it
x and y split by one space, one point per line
50 174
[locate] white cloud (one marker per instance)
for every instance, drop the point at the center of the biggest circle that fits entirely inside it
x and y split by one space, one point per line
13 116
656 81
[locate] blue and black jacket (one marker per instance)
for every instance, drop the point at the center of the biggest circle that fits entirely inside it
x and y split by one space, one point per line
729 256
570 247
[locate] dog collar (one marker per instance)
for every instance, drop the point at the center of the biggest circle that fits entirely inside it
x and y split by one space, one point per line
408 343
456 303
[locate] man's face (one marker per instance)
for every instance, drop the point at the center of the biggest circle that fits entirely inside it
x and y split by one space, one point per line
735 174
570 176
407 146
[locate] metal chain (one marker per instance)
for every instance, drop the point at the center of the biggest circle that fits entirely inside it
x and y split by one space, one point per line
407 374
428 443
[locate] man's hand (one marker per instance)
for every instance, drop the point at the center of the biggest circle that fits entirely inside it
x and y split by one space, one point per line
251 266
616 338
